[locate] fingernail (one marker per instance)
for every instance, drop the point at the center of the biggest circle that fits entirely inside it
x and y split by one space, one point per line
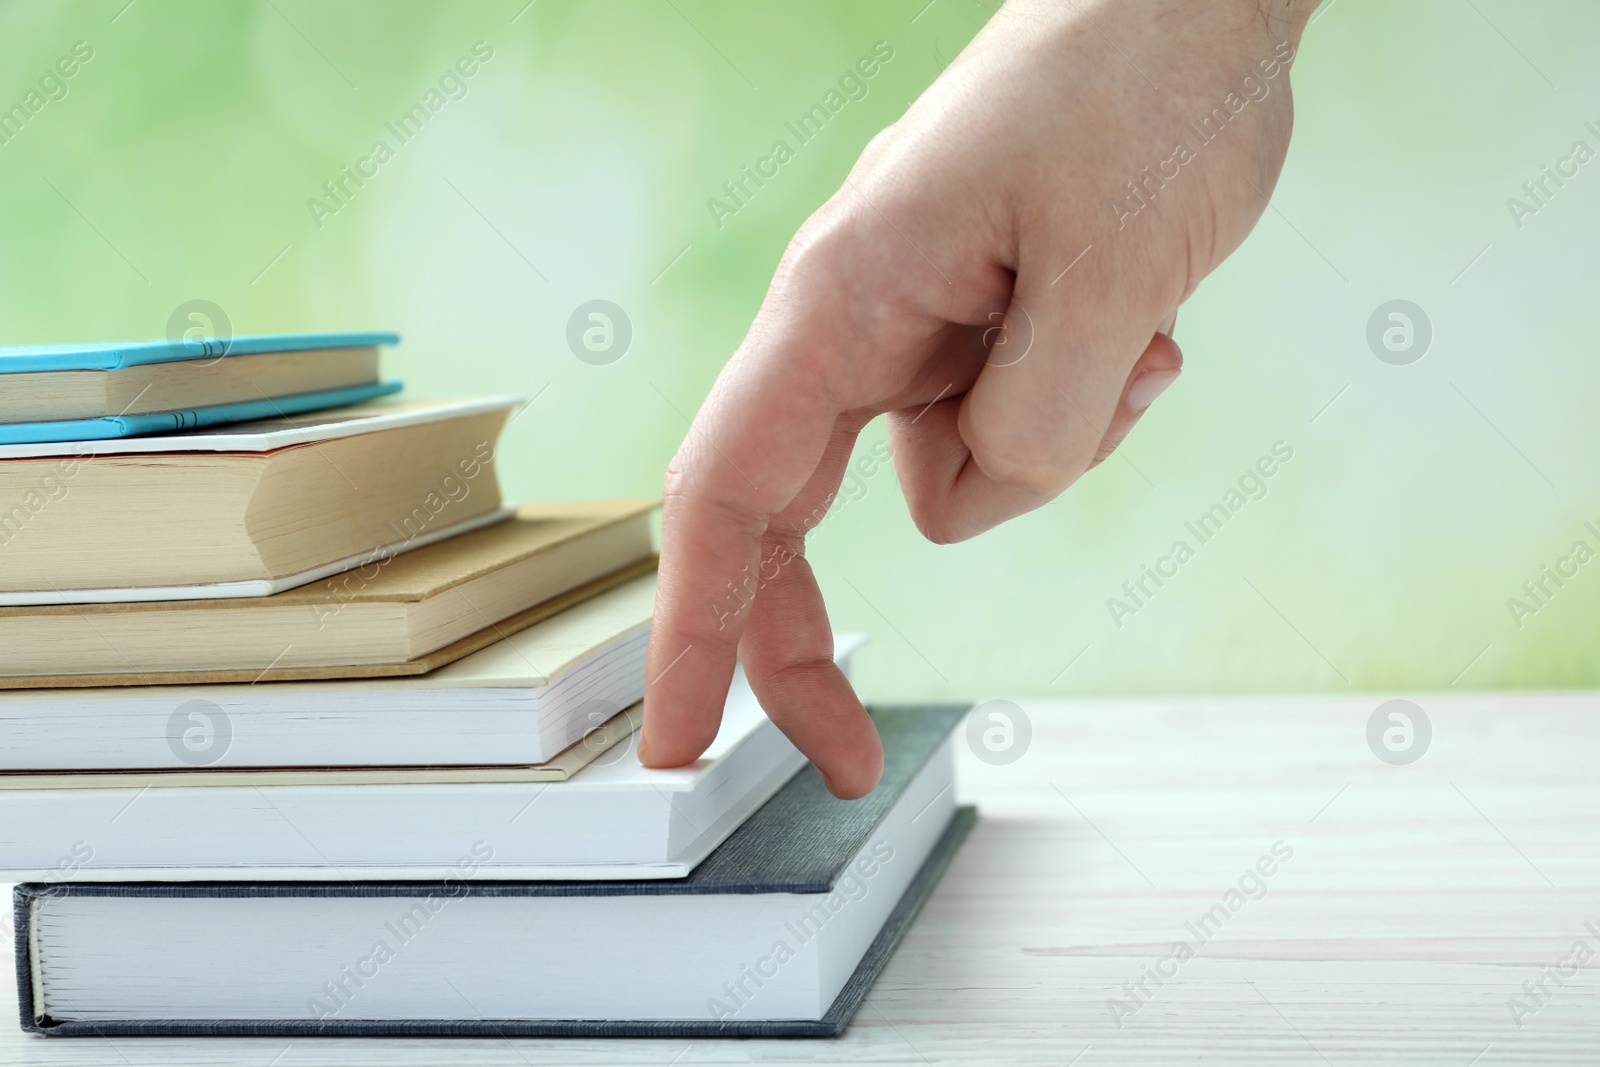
1147 386
643 749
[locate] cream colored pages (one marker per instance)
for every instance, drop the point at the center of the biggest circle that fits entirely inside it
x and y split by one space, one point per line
425 570
545 651
525 660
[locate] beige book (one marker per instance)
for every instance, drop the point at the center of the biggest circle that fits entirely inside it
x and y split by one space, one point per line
47 396
459 594
163 519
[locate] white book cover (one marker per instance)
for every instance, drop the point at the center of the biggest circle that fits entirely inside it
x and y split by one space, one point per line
519 701
615 819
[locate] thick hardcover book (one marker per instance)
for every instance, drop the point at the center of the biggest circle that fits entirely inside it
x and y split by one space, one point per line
143 523
780 932
396 615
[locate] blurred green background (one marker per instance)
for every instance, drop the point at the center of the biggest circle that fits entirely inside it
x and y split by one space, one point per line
576 164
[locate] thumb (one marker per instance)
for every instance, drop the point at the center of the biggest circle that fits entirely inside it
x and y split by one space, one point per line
1153 372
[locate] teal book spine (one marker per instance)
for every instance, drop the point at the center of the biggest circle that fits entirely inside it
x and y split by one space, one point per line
115 356
115 426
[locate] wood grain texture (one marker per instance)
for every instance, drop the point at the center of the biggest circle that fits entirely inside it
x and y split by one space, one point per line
1416 903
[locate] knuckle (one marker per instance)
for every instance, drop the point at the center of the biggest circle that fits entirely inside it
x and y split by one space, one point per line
936 518
938 526
1019 455
820 249
1024 469
705 633
675 483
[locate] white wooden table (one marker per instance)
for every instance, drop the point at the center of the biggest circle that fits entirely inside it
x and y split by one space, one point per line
1416 903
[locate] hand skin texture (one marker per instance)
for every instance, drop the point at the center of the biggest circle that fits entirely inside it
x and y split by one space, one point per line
998 274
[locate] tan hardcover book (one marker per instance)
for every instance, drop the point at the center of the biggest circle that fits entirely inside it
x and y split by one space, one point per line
47 396
395 610
164 519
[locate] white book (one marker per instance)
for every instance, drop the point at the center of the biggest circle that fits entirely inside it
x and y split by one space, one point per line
615 819
520 701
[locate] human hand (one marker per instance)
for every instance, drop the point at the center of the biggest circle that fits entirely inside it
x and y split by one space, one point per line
999 275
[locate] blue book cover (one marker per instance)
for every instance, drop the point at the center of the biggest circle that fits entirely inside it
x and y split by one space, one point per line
803 841
118 355
114 426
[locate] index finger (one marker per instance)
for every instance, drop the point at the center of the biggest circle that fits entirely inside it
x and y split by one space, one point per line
753 446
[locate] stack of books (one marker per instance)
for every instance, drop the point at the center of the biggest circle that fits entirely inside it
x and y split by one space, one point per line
303 730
